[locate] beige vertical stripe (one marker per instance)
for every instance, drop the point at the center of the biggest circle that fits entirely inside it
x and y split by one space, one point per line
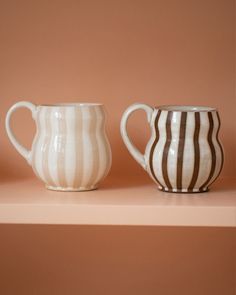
61 147
35 146
95 151
108 156
101 144
46 146
102 135
78 148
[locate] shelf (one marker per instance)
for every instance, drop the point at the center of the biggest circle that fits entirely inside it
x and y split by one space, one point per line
28 202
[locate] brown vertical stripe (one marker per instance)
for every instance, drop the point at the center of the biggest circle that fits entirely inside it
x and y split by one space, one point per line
78 148
213 152
94 143
46 146
166 150
180 158
157 136
62 146
196 152
218 141
221 149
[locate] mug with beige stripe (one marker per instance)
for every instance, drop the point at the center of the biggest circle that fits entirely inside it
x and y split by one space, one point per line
184 153
70 151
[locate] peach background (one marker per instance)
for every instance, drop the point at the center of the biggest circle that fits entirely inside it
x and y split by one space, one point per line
93 260
116 52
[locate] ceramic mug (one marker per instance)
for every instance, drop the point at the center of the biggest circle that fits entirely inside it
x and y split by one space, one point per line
184 153
70 151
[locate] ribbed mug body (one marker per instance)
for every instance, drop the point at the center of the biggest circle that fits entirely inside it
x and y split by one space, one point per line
70 151
184 153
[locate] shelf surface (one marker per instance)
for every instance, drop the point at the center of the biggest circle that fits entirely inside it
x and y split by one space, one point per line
28 202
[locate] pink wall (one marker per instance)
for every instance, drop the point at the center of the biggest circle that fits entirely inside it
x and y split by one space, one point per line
117 53
91 260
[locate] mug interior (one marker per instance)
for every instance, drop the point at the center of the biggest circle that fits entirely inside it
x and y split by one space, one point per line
79 104
179 108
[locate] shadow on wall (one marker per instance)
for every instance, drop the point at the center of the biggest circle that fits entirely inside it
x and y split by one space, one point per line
7 174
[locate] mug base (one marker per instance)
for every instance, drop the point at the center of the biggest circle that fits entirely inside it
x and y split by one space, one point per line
70 189
183 191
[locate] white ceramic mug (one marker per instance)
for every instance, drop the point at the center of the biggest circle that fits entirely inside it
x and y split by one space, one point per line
184 153
70 151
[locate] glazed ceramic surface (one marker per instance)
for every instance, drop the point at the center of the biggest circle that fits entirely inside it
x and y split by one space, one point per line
184 153
70 150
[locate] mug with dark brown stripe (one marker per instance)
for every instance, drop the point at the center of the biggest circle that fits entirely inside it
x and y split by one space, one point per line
70 151
184 153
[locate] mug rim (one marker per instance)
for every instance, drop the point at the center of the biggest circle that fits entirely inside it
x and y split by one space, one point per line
185 108
72 104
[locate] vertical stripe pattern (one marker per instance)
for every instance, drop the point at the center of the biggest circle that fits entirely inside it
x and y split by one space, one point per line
196 152
219 145
48 141
61 148
212 155
95 159
166 150
79 151
157 135
71 151
181 150
192 156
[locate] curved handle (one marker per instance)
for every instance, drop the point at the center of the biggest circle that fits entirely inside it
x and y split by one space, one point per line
139 157
22 150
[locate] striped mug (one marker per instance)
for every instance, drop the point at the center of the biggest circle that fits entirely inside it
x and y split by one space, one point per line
70 151
184 153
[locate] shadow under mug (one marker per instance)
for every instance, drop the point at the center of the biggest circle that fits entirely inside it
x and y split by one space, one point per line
70 151
184 153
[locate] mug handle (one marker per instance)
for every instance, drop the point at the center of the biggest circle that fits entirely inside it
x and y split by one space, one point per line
138 156
21 149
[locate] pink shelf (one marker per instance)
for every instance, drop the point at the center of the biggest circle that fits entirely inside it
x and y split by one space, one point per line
28 202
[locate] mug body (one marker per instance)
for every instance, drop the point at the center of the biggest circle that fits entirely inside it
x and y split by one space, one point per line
71 151
184 153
